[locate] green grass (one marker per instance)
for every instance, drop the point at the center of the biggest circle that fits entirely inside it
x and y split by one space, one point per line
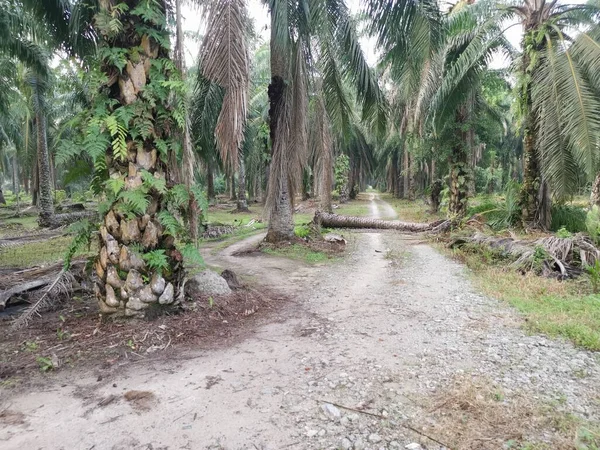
298 252
38 253
359 207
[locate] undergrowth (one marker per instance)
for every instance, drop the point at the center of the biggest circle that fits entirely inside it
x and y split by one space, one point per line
299 252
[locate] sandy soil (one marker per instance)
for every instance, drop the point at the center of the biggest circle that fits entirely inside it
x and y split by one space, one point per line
352 362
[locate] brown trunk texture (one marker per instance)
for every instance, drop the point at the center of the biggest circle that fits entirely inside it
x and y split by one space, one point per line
45 180
595 195
337 221
128 284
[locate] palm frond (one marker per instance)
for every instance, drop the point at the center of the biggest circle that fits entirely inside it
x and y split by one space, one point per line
225 62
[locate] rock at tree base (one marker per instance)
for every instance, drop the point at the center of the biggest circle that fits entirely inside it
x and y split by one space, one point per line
206 282
232 280
335 238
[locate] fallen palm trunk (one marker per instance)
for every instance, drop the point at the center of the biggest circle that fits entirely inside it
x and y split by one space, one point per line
337 221
550 256
60 220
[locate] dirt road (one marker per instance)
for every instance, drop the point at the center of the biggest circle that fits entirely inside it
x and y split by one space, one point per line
351 363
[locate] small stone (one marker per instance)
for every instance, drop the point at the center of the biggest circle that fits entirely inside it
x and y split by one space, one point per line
331 411
311 433
359 444
124 294
394 445
145 295
344 421
322 433
167 296
413 446
134 281
157 283
111 298
346 444
112 277
374 438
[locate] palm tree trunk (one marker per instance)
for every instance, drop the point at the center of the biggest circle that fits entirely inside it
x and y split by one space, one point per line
279 201
45 180
405 171
459 168
395 178
128 284
210 182
337 221
327 169
531 177
232 194
16 187
595 195
242 202
35 182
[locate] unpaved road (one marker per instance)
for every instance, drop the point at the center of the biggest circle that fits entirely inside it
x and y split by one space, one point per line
379 332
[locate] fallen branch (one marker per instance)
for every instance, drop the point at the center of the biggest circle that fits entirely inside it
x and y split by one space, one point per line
379 416
337 221
62 283
5 296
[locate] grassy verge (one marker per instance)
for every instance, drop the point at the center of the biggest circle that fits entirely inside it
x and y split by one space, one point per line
37 253
556 308
299 252
361 206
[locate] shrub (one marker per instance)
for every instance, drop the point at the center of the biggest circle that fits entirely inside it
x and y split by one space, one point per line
570 217
592 223
302 231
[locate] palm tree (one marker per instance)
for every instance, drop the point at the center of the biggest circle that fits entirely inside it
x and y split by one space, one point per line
295 27
559 108
138 111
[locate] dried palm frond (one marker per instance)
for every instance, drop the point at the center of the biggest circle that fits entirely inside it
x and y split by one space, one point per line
61 286
549 255
225 61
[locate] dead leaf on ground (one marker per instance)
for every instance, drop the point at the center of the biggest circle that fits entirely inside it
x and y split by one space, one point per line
140 400
8 417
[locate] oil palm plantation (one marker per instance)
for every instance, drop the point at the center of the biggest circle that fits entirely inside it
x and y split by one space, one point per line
558 100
